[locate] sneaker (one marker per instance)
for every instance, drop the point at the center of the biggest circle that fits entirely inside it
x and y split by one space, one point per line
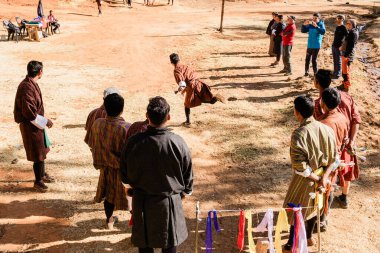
311 242
112 221
220 98
40 186
342 203
48 179
283 71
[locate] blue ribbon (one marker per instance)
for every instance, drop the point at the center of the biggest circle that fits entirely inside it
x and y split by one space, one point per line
209 230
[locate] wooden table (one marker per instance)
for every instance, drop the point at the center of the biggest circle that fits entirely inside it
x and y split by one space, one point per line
33 30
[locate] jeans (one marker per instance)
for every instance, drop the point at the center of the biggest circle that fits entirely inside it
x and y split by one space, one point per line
286 58
337 61
311 54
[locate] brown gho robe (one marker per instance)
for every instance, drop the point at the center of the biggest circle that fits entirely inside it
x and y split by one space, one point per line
157 165
28 103
197 92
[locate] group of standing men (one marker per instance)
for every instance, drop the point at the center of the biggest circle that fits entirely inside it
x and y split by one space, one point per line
322 153
148 162
343 47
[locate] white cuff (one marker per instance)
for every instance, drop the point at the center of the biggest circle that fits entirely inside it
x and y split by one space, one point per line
305 173
40 122
336 164
182 84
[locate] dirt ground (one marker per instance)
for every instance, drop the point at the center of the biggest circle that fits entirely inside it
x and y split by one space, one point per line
240 149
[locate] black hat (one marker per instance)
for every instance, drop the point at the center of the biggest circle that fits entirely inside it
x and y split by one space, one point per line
292 17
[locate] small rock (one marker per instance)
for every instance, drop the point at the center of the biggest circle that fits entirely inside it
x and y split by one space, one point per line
15 161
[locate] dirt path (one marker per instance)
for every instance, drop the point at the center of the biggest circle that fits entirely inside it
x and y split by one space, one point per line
240 149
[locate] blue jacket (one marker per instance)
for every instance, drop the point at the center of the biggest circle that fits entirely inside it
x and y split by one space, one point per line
315 34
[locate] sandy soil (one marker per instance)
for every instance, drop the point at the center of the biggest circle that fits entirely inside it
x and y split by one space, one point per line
240 149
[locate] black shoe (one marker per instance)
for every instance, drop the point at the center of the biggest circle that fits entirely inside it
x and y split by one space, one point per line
283 71
343 203
48 179
40 186
288 74
306 75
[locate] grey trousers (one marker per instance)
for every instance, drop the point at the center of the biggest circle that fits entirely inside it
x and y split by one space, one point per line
286 50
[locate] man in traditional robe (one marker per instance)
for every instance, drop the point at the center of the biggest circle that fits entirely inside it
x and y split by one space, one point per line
349 109
337 121
137 127
197 92
313 154
98 113
106 140
28 108
157 165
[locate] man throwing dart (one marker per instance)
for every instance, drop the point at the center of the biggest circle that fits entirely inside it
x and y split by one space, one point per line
196 92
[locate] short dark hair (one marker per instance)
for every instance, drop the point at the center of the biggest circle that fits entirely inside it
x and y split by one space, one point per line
340 16
280 17
331 98
323 77
114 104
304 105
174 58
158 109
274 13
317 15
34 68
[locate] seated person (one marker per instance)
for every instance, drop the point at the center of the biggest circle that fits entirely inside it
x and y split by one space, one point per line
53 21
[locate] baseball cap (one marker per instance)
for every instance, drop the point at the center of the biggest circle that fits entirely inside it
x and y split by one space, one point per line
109 91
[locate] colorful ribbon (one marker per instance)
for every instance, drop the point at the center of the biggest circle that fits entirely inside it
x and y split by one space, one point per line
209 230
240 240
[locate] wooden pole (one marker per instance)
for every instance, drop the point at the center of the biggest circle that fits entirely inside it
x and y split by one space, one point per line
319 226
196 227
222 17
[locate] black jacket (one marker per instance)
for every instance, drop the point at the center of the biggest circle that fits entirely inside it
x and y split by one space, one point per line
339 36
350 43
269 28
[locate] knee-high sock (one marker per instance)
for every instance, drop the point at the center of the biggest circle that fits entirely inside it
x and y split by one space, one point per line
310 224
38 169
108 209
187 113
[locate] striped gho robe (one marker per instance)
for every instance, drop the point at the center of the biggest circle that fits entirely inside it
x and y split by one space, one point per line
107 138
313 146
94 115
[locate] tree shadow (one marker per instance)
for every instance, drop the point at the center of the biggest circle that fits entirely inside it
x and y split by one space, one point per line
266 85
276 98
81 14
